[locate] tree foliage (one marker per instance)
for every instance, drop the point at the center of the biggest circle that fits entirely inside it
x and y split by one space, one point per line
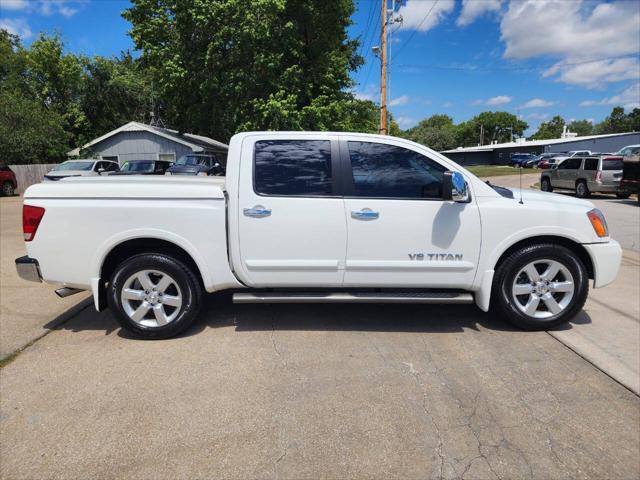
581 127
551 129
619 122
229 65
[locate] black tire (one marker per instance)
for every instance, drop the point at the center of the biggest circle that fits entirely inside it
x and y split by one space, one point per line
504 303
582 191
185 279
622 195
545 185
7 189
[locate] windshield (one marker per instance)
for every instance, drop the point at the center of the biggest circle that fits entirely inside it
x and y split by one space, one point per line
195 160
139 166
74 165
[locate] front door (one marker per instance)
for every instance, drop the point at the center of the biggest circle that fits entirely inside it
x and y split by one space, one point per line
400 231
568 172
292 229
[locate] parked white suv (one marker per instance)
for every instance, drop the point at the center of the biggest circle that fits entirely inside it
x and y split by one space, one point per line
316 217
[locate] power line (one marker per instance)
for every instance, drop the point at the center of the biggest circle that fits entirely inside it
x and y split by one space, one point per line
368 48
417 28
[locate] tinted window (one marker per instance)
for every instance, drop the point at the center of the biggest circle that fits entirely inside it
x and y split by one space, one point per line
293 167
387 171
571 164
590 164
612 164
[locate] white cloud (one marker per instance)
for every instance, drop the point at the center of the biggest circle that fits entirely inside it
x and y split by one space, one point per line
51 7
478 101
405 122
537 103
629 98
370 92
499 100
589 31
473 9
13 5
537 116
416 16
401 100
447 104
16 26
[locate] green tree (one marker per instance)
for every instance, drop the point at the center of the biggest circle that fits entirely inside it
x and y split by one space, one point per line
228 65
620 122
436 132
28 132
551 129
497 126
581 127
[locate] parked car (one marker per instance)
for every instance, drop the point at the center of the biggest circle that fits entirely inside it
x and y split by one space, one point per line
316 217
535 161
143 167
517 159
8 182
548 163
196 164
630 182
585 175
82 168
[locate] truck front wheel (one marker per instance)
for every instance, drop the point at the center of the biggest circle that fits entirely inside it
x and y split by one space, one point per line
538 287
154 295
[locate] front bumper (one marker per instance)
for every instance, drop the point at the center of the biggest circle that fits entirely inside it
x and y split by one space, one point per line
606 259
28 269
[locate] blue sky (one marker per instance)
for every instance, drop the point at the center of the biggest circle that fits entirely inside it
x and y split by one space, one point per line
534 58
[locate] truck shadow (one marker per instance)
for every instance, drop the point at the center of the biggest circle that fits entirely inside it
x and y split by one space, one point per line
218 312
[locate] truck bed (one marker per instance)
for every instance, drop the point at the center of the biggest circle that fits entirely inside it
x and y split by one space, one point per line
170 186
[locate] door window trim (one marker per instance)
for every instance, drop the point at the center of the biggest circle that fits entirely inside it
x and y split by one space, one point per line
346 172
335 165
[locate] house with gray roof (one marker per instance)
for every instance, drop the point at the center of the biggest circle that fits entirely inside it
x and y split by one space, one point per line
139 141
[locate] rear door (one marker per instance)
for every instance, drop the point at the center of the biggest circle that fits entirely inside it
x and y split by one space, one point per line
589 171
291 220
611 170
400 231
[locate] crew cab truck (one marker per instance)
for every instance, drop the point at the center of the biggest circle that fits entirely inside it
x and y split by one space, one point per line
316 217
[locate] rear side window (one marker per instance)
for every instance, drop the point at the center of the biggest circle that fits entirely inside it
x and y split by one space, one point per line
612 164
387 171
293 167
591 164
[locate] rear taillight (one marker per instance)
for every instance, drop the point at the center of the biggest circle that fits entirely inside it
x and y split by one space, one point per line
599 176
31 217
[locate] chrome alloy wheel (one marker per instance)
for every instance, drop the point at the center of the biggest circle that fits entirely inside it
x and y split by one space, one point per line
543 289
151 298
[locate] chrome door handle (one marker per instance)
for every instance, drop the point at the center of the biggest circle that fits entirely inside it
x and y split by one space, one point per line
365 214
257 212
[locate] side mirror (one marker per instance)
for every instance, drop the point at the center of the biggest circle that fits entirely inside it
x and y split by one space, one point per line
455 188
101 171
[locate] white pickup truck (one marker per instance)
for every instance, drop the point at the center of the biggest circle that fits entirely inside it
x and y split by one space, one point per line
316 217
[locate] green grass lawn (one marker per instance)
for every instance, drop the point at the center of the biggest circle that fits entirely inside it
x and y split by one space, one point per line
495 170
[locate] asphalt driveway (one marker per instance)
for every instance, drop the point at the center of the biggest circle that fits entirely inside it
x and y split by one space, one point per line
292 391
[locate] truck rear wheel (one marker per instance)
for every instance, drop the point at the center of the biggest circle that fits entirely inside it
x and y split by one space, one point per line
154 295
545 185
582 191
539 287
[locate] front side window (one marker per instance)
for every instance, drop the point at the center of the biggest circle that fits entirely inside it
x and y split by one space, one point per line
75 165
387 171
293 168
571 164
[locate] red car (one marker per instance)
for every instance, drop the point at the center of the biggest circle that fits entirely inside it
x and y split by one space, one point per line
8 182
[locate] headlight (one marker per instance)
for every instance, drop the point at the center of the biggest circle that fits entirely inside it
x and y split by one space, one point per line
598 222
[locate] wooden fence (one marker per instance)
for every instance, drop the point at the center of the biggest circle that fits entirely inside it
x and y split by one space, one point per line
27 175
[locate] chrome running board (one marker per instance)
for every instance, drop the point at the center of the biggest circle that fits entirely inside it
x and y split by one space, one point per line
353 297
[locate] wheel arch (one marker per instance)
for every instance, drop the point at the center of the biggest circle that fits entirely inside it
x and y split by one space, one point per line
572 245
134 246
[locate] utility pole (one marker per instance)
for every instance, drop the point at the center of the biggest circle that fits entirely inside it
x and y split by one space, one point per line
383 70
